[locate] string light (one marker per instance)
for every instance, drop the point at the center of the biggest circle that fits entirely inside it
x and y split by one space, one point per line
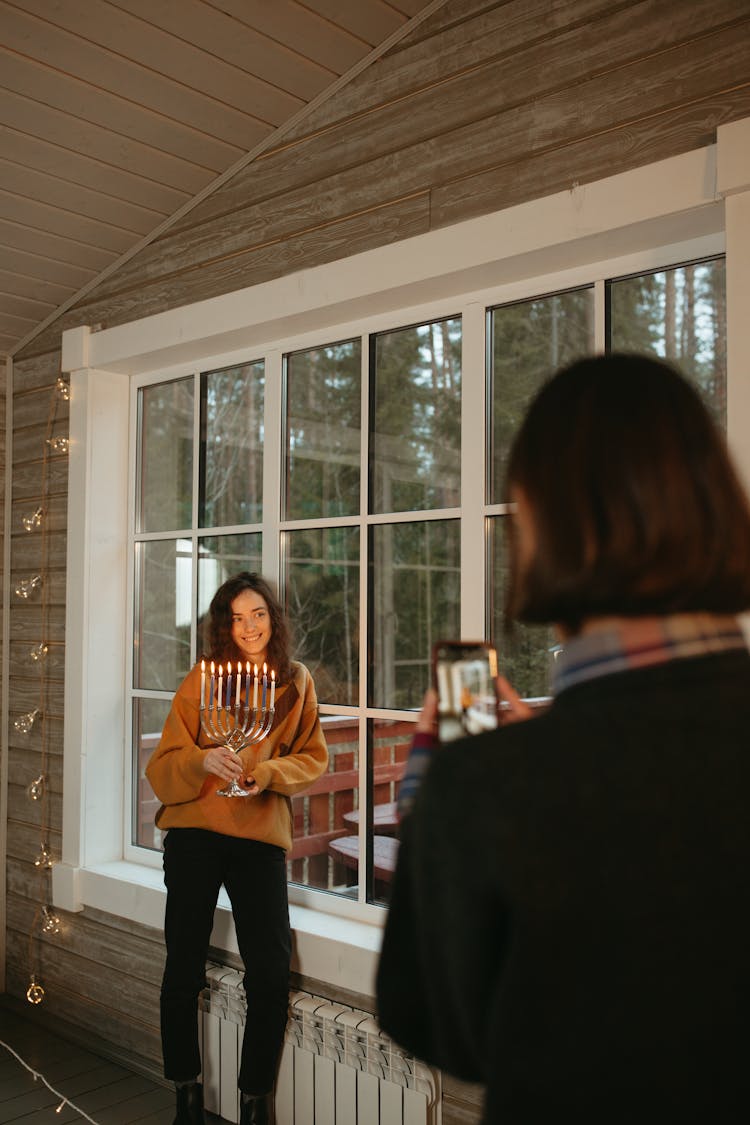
32 522
46 920
58 444
50 921
40 1077
25 723
44 858
27 586
34 993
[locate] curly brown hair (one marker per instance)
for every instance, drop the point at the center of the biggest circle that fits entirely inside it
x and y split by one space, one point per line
218 632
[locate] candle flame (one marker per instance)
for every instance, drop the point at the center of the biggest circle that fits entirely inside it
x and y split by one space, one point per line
264 669
229 667
273 674
256 669
212 667
203 666
247 667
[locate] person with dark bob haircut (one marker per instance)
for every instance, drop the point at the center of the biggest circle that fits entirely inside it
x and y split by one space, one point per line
569 921
240 842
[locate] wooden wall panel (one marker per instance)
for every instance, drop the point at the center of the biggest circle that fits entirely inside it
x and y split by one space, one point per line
487 104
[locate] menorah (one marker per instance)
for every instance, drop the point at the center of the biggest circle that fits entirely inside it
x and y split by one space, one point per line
230 722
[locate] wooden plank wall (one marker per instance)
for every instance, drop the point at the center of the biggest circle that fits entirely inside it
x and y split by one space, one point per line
486 105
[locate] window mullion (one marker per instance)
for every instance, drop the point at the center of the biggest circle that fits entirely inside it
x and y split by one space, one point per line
473 472
272 465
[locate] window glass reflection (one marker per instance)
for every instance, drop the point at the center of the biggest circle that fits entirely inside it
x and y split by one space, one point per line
149 716
530 340
164 610
165 456
219 557
416 424
231 469
415 600
678 315
322 602
323 406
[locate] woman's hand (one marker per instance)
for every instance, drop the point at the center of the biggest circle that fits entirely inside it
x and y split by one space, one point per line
427 721
222 763
516 710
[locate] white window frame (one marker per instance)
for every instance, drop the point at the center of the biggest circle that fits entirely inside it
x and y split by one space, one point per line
650 218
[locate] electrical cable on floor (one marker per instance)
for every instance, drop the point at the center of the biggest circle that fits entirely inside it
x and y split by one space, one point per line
40 1077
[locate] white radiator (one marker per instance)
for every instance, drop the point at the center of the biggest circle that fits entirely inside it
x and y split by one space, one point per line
337 1067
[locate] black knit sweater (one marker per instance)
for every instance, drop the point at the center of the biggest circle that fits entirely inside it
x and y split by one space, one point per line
569 921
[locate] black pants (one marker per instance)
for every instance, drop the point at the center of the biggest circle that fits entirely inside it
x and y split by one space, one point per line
196 863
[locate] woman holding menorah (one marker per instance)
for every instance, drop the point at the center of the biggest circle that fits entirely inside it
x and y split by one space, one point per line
241 738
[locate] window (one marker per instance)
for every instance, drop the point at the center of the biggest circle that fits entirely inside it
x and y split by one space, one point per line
371 520
677 314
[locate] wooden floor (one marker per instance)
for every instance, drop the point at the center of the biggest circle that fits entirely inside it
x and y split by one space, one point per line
106 1092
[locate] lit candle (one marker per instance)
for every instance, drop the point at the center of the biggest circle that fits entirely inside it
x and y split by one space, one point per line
229 685
247 685
221 679
273 688
265 686
255 689
239 685
211 699
203 684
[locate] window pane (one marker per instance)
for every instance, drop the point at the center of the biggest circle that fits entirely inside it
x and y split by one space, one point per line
416 423
231 488
165 456
328 811
390 741
322 600
526 656
149 716
530 340
415 600
678 315
220 557
323 399
163 614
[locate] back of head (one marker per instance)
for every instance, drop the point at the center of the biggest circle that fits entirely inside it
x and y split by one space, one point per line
635 505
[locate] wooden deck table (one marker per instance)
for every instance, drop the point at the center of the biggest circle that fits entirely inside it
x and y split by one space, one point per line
384 852
384 818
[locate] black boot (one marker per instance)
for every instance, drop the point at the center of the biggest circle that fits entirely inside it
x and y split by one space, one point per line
190 1104
255 1111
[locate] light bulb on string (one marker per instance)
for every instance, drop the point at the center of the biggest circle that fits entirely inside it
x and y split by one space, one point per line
62 386
44 858
58 444
35 991
50 921
25 723
35 790
32 522
26 586
38 652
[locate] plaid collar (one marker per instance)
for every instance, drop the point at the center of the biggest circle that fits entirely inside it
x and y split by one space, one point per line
643 642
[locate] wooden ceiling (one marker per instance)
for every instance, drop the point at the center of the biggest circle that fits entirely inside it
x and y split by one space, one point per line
116 116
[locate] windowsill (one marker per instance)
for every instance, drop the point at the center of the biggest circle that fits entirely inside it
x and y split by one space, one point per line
335 950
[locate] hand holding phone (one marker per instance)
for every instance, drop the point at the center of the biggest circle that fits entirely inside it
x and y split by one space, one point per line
465 677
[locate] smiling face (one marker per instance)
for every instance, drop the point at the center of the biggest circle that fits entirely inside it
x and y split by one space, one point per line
251 626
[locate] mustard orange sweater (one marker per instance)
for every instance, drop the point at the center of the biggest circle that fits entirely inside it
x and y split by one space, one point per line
292 756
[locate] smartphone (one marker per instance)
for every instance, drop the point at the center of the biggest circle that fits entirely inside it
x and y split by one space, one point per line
465 674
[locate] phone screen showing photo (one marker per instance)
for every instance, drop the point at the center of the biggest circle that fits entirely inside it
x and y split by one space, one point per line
465 681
